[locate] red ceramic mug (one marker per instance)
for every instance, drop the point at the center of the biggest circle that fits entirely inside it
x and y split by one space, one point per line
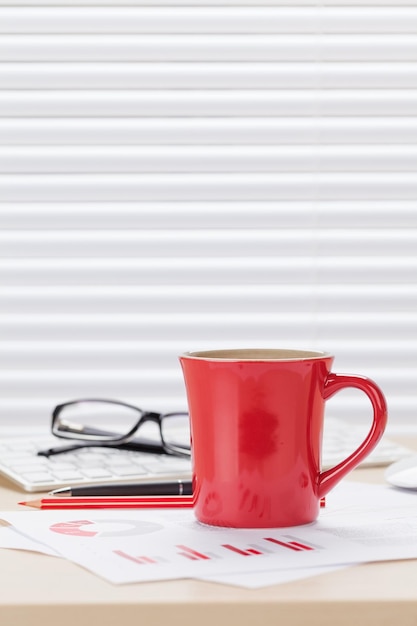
256 434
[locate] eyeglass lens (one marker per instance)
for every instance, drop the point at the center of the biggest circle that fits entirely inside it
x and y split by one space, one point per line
175 429
96 420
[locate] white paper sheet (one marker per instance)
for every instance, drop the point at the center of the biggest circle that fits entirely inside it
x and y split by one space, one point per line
258 580
10 537
13 539
360 523
136 546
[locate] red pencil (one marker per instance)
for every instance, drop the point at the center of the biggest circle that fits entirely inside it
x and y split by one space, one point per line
118 502
148 502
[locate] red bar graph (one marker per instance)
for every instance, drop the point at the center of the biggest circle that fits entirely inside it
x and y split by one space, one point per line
182 551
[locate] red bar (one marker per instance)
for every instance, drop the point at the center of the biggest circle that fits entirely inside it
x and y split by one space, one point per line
301 545
119 499
114 505
129 557
142 560
233 549
194 553
252 551
147 559
188 556
281 543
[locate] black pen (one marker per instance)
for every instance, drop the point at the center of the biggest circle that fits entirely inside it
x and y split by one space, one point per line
171 488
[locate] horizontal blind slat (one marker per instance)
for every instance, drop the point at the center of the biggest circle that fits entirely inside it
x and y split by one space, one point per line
45 355
205 3
220 103
171 159
200 75
88 383
207 187
93 383
191 48
191 19
207 131
361 215
197 299
206 243
214 271
204 327
183 320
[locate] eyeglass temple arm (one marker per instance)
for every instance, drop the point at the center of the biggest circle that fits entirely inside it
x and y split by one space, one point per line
143 446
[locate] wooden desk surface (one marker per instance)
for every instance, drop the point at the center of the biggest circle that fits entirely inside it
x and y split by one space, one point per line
39 590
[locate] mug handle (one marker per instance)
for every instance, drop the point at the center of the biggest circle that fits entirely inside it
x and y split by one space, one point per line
334 383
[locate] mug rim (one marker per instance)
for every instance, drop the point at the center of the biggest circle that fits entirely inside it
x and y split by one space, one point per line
256 355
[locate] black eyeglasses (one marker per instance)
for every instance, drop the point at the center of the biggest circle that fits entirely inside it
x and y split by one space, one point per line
110 423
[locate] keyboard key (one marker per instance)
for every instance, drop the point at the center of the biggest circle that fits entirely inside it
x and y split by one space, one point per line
16 457
67 474
129 470
96 472
26 468
62 466
37 477
155 469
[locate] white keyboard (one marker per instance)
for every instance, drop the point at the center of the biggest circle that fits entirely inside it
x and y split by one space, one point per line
19 461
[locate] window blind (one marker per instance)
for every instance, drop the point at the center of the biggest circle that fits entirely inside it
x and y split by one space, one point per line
203 175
